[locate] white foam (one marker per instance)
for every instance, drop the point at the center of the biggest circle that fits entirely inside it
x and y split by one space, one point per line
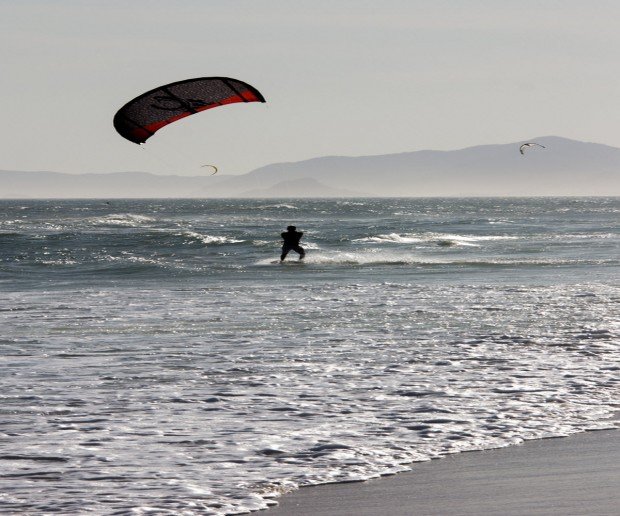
391 238
280 206
442 239
122 219
209 239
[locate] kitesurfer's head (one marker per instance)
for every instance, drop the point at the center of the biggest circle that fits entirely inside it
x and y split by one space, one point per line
291 228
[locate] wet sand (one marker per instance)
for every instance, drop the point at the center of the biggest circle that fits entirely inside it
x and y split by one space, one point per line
575 475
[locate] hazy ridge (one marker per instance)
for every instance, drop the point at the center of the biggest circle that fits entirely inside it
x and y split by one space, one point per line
565 167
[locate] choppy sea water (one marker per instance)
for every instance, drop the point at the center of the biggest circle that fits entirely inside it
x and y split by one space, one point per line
156 359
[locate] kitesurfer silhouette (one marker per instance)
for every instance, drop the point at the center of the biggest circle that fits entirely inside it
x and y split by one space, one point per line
291 239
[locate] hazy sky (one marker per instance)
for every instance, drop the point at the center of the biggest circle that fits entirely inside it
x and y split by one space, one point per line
340 77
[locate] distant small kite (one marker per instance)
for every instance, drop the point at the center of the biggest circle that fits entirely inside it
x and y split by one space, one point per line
530 144
213 167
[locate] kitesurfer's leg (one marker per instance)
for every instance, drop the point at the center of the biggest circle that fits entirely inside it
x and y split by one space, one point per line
301 252
285 251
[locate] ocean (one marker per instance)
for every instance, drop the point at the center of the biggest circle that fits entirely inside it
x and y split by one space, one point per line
156 358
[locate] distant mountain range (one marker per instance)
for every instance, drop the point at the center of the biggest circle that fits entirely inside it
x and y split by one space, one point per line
564 167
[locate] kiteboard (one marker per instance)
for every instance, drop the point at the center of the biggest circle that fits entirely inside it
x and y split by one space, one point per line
288 262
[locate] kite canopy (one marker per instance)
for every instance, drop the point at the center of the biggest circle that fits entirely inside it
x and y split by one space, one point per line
213 167
528 145
143 116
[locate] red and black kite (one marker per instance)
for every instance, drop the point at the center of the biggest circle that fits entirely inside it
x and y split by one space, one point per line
143 116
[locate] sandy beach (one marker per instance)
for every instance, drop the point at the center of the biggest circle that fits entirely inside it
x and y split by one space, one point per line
575 475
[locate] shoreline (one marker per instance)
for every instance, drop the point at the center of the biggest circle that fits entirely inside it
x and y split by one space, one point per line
574 475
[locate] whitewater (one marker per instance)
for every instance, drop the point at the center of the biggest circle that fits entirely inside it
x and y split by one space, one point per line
155 358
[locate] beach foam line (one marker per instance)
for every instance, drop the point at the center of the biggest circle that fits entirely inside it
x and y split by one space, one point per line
550 477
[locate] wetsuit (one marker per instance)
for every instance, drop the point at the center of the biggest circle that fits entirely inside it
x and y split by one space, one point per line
291 243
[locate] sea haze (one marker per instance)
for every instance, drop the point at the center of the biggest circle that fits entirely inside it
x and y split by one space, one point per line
156 357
